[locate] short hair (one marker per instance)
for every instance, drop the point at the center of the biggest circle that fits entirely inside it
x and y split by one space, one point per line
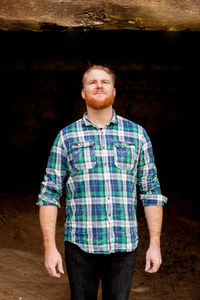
99 67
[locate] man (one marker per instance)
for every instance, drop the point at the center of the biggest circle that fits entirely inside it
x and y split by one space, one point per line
102 158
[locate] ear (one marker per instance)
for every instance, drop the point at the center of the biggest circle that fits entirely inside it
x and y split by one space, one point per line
83 93
114 92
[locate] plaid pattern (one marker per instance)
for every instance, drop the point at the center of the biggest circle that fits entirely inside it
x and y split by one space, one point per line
101 169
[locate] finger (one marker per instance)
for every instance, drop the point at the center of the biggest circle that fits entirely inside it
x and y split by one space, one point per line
52 272
55 274
153 268
156 267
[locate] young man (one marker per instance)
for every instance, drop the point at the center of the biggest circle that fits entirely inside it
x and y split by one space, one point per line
102 159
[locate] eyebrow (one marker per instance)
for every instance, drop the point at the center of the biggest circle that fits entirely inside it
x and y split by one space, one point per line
107 80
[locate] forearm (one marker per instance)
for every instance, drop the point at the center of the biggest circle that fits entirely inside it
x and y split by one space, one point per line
53 259
154 216
48 217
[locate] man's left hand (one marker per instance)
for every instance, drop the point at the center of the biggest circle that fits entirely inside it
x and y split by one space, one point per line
153 259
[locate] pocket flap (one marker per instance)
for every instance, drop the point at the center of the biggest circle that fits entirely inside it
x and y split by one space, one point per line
124 144
82 144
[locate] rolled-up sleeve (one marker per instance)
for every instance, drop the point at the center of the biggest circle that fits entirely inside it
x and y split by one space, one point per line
53 184
149 186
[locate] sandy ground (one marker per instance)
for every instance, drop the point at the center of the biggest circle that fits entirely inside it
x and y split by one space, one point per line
23 277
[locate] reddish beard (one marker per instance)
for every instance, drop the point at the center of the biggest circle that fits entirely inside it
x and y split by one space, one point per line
99 103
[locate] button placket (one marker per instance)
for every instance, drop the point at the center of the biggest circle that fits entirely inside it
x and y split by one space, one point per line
107 187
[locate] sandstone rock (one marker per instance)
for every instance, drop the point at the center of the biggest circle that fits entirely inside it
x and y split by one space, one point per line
61 15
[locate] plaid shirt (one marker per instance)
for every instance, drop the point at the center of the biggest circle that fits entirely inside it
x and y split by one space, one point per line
101 169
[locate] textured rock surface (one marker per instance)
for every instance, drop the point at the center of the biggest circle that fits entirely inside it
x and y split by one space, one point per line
40 15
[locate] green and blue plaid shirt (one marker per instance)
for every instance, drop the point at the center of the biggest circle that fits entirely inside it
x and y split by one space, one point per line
101 169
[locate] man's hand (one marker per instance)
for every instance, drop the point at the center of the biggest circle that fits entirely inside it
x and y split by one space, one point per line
153 259
52 262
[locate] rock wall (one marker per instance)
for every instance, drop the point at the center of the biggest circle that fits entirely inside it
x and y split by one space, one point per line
60 15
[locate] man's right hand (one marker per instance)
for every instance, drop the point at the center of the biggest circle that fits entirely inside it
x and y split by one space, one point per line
53 262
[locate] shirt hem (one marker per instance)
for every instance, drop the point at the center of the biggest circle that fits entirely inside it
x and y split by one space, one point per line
133 248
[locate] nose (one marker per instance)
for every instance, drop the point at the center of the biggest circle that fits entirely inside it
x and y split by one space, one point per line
99 84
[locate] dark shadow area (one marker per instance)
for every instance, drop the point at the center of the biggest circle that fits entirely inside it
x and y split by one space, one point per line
156 87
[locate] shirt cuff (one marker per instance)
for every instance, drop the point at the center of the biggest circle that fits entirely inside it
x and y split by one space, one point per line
153 199
44 201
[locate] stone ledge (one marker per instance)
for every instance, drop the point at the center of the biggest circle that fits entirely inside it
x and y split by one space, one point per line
58 15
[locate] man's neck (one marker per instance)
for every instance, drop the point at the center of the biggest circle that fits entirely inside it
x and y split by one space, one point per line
100 117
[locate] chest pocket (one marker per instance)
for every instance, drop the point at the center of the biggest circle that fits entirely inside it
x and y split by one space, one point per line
83 155
124 155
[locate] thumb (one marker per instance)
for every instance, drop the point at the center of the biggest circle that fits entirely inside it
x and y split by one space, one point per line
148 265
60 266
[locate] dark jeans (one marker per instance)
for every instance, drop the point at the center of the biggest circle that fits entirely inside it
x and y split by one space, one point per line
85 271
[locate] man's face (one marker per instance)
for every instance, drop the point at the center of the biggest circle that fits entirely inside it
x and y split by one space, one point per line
98 91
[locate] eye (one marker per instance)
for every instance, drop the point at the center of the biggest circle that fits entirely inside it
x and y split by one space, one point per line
91 82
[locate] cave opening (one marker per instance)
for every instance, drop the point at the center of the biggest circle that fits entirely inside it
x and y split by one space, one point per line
41 83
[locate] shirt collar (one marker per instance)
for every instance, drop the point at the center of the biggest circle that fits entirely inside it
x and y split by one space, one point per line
87 122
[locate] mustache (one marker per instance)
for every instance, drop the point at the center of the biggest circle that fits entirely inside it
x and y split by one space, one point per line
97 91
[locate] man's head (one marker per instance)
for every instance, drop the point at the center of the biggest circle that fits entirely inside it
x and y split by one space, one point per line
98 87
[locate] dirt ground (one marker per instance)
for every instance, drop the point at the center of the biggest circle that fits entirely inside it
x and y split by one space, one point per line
23 277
